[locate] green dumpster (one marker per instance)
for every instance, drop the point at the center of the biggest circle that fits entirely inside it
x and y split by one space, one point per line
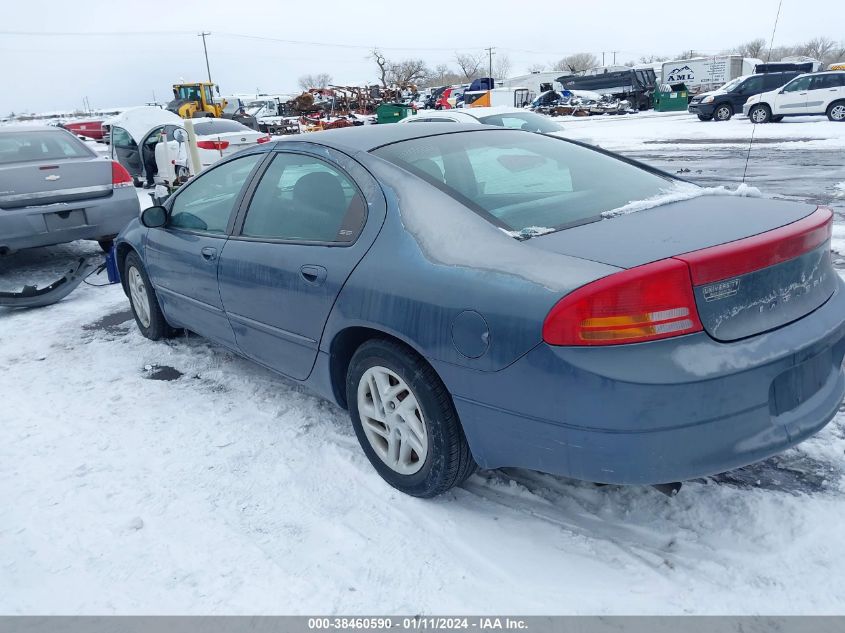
672 98
393 112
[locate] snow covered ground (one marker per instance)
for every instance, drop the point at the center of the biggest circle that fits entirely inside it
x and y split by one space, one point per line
141 477
668 130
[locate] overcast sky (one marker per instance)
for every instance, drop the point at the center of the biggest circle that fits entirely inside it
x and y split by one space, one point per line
95 50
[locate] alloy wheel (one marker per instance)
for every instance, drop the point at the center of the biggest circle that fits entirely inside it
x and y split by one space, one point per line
138 295
392 420
759 115
837 112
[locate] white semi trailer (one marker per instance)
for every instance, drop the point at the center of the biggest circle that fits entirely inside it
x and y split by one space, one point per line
701 74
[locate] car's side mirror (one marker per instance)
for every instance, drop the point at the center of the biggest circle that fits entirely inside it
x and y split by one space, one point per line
154 217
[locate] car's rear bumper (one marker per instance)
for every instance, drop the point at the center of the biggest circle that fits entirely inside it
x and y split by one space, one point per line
65 222
657 412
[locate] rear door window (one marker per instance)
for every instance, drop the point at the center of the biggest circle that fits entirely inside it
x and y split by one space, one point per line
826 82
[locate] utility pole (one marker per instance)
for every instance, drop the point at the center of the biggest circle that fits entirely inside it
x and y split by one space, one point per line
205 50
490 59
602 58
614 56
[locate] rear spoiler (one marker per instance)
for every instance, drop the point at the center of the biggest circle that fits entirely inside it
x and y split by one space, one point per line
32 297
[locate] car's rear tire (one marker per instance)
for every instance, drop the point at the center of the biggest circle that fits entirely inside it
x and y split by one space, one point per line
142 298
760 113
723 112
836 111
405 420
705 117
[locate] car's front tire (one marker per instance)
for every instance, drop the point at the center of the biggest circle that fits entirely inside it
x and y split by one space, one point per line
723 112
405 420
142 298
836 111
760 113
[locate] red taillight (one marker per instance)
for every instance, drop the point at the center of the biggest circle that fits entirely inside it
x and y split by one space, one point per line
263 139
645 303
760 251
218 145
119 176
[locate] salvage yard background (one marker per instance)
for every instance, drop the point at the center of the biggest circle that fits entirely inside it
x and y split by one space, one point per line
196 482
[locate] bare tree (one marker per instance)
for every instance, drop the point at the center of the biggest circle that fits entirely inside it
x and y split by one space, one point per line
577 63
536 68
502 67
651 59
469 64
755 48
408 72
818 48
383 66
320 80
405 73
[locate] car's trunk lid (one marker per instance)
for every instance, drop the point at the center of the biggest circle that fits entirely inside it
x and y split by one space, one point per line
755 264
43 183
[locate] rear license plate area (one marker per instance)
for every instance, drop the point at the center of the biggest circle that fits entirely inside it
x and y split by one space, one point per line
796 385
70 219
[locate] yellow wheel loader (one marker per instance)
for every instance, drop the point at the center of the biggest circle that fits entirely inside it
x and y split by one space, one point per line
194 100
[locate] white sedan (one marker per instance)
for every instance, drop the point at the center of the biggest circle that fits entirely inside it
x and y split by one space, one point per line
218 138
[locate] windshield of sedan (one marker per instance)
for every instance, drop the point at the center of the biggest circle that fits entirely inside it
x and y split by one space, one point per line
522 121
527 184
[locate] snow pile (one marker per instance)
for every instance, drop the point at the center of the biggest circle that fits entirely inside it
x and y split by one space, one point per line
682 191
839 189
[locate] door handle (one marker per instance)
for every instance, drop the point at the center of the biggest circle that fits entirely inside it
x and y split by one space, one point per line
313 274
209 253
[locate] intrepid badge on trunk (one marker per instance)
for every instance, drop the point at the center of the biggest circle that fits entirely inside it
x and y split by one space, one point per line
721 290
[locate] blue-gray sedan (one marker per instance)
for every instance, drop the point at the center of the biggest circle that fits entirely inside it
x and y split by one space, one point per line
476 295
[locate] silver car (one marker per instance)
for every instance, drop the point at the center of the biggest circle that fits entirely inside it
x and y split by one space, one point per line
54 189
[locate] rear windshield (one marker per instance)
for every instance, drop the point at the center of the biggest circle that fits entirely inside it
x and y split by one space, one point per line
16 147
522 121
526 183
219 126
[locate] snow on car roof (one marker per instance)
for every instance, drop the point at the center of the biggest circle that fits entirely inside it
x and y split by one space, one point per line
139 121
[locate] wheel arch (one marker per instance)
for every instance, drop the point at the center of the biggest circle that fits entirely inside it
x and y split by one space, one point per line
343 347
833 104
122 250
